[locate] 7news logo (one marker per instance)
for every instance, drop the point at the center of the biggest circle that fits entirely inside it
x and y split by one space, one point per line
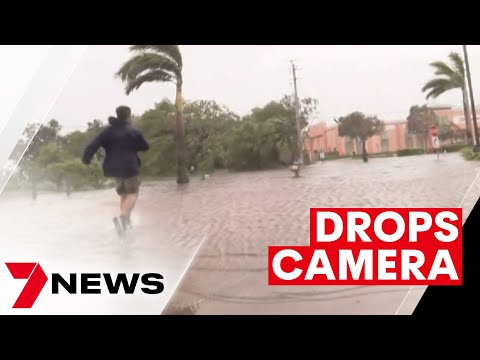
89 283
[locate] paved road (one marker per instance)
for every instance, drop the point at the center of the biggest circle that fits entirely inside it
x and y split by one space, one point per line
241 214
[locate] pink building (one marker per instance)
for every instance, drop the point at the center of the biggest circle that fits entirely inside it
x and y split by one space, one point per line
395 136
324 138
455 115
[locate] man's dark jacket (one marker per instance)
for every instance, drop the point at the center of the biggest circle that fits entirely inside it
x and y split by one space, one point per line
121 142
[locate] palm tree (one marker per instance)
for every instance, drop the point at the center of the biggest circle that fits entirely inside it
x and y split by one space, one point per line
450 77
162 63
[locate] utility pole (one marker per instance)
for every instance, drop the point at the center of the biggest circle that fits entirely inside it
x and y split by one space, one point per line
472 101
297 111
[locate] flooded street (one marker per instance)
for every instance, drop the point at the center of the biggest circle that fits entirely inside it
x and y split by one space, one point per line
76 235
248 212
239 216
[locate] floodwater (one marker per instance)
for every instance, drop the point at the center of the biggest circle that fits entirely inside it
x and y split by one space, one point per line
227 221
76 235
249 212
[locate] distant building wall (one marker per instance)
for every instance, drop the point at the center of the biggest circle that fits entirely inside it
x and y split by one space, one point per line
395 136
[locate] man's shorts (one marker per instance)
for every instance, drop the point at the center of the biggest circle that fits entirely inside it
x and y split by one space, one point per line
128 186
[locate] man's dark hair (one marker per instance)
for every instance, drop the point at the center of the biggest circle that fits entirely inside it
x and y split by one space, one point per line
123 112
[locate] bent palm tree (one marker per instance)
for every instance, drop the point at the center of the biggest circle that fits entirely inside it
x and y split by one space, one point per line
450 77
162 63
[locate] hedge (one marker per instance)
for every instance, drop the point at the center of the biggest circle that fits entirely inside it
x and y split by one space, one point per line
468 154
410 152
454 147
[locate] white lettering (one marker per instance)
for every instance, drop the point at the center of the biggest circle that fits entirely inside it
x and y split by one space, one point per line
398 232
338 226
412 267
437 269
364 261
277 264
452 229
359 229
415 227
384 265
325 269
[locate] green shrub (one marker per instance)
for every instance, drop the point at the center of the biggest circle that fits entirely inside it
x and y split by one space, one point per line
453 147
334 155
469 155
410 152
381 155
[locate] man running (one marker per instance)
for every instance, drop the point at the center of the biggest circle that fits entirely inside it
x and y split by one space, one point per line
121 142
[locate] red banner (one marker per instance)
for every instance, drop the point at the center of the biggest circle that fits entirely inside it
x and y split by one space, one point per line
374 247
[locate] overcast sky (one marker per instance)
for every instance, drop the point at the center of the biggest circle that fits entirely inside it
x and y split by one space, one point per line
376 79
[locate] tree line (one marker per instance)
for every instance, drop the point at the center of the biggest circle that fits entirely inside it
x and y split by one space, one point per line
215 138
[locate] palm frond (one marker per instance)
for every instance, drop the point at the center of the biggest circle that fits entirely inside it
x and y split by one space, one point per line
458 63
147 62
434 93
442 68
156 75
171 51
439 86
435 83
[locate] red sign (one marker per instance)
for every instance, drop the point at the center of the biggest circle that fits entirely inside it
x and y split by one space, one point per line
374 247
434 131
